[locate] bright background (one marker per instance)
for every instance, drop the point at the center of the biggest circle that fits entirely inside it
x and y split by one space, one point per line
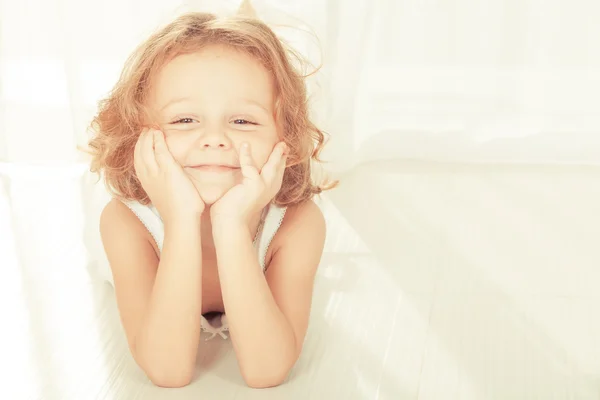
462 257
452 80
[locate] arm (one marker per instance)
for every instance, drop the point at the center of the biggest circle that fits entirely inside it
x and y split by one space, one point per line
268 314
160 302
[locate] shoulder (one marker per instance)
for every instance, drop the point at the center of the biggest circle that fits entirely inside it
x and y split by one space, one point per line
117 222
303 225
116 216
306 216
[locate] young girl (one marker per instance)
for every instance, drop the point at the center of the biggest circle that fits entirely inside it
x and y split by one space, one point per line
205 144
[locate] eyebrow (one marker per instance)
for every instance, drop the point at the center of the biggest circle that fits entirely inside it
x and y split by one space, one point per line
174 101
256 104
245 101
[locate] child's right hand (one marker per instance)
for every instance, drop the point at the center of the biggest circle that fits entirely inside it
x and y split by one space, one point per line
169 189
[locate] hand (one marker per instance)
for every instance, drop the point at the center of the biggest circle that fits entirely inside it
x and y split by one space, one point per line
256 190
163 179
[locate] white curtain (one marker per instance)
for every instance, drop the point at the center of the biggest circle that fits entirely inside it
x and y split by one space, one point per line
442 80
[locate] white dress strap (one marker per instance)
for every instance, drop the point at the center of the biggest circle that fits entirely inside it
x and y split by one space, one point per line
151 220
271 219
271 224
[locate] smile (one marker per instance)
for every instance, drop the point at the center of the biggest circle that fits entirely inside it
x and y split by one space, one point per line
214 168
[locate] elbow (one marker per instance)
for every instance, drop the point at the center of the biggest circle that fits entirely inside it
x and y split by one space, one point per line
264 380
171 372
273 372
168 379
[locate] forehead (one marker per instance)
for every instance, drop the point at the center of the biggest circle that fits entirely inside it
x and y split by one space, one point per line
211 74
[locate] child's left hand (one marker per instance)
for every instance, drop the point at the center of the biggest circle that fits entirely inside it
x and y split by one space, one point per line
256 190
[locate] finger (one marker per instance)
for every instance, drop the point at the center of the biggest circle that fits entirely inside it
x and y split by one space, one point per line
247 165
278 178
275 162
162 154
138 161
148 152
282 165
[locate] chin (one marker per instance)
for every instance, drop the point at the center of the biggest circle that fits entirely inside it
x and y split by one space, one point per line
210 194
212 187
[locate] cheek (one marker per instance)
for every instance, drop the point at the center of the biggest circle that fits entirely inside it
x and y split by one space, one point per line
261 149
177 148
261 153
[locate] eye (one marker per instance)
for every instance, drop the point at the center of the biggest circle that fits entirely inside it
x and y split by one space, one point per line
184 121
241 121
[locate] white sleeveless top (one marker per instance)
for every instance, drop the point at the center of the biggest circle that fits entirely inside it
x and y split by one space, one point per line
271 219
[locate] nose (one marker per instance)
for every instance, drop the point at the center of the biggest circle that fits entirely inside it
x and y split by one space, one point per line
214 139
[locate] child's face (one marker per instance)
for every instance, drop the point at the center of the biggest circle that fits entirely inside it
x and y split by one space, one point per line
207 104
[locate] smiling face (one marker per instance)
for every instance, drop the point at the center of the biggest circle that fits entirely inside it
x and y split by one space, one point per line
207 104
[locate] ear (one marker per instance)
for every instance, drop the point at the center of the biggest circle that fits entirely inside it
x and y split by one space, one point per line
246 10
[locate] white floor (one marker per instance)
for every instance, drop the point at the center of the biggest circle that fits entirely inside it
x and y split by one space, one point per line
438 282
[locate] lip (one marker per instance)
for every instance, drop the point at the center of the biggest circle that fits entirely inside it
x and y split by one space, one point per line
214 168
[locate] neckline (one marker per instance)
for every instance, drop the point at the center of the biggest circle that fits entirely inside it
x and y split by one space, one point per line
259 229
261 223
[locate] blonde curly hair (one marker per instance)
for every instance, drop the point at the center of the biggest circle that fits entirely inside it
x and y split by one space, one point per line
122 115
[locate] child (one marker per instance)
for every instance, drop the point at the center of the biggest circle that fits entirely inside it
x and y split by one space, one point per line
205 145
